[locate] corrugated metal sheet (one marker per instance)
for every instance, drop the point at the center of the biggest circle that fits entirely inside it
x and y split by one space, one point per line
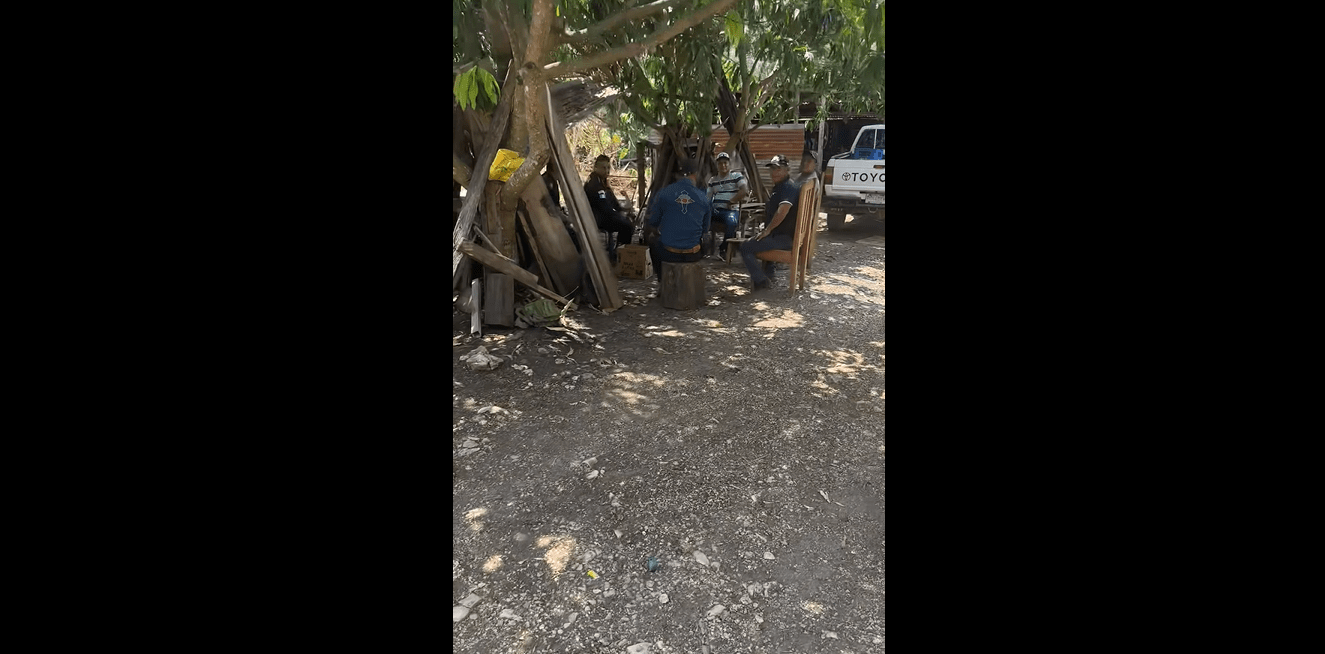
765 142
771 140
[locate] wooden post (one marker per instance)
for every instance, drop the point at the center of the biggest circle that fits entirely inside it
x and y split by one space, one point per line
640 149
499 301
476 318
820 153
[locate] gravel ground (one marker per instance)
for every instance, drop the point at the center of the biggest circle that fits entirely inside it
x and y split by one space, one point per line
739 446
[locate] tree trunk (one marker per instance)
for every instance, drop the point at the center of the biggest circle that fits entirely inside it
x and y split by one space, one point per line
460 232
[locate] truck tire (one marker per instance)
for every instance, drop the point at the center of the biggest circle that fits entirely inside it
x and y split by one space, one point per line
836 221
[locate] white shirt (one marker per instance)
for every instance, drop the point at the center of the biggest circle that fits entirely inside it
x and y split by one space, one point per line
722 189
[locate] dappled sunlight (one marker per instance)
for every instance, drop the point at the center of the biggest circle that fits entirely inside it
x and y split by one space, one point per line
472 518
637 379
787 320
848 362
558 553
492 564
821 384
629 397
834 289
862 288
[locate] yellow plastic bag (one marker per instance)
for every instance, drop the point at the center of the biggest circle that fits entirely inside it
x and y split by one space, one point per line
505 164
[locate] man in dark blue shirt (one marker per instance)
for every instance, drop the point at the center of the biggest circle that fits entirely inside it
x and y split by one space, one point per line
607 211
783 203
681 213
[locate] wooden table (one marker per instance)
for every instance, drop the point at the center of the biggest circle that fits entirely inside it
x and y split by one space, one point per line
750 211
733 243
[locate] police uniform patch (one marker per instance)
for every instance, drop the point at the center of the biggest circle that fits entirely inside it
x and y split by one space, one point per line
602 195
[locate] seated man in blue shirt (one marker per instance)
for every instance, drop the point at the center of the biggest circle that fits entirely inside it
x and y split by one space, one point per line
681 213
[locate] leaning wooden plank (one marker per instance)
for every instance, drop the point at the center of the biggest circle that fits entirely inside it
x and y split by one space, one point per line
499 263
600 272
504 265
474 193
491 246
554 242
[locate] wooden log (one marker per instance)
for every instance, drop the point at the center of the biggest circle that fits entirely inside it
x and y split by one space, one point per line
503 265
683 285
499 300
498 263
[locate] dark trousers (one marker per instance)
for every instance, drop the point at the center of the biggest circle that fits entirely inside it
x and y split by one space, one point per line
762 270
621 226
661 254
723 221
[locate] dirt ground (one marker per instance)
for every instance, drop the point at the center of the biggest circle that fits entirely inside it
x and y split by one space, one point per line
740 445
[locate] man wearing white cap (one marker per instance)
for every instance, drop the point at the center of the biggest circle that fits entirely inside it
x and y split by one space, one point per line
726 192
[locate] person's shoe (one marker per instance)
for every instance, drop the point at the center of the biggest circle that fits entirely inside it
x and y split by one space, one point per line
759 286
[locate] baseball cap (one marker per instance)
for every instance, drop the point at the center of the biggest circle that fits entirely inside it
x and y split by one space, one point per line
723 155
779 161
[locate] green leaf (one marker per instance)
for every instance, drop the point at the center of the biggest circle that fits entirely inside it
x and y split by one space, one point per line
473 88
735 30
461 89
488 83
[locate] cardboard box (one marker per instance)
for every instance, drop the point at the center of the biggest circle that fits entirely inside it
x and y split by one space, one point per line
635 261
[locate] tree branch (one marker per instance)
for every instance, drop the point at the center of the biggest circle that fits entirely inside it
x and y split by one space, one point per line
563 68
527 111
617 20
765 90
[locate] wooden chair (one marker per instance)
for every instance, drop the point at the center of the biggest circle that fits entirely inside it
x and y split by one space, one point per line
802 242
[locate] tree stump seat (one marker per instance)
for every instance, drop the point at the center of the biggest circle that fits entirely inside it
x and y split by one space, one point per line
683 285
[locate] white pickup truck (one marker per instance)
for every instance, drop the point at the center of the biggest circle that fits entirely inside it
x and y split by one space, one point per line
853 181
